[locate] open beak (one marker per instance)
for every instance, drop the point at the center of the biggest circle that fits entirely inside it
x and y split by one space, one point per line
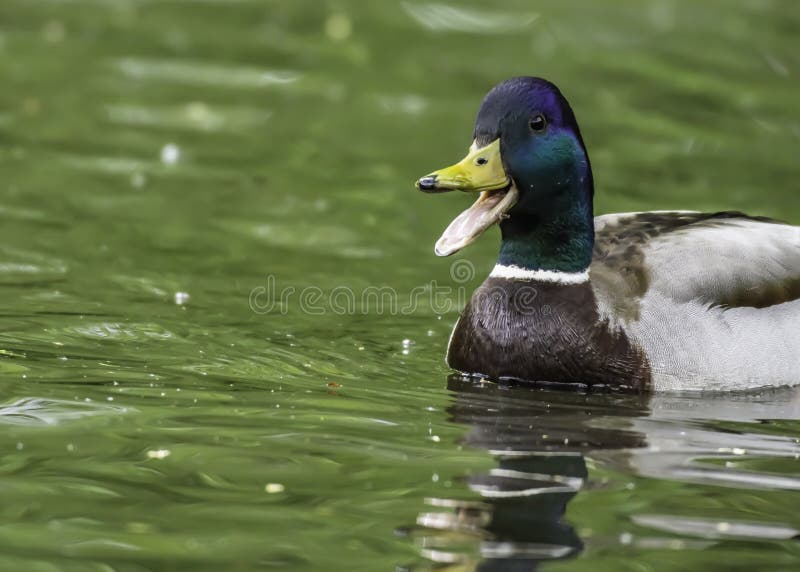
480 171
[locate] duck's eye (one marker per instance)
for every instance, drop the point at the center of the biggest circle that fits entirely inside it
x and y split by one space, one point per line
481 161
538 123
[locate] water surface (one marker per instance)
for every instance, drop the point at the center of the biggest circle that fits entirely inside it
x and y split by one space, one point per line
177 175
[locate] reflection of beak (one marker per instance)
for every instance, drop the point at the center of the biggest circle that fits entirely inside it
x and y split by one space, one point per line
481 170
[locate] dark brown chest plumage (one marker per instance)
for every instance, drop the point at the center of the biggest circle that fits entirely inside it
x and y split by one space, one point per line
542 331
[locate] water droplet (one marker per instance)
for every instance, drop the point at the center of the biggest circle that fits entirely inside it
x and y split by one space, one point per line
170 154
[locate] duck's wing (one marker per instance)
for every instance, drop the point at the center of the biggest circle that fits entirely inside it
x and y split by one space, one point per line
722 259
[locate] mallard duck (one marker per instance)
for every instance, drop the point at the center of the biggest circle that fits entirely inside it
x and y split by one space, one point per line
645 300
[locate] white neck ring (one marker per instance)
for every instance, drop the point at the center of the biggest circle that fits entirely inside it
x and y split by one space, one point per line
517 273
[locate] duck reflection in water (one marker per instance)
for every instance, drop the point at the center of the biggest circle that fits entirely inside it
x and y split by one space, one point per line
538 439
538 443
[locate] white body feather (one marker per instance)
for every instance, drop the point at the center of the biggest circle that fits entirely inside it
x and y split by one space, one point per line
691 339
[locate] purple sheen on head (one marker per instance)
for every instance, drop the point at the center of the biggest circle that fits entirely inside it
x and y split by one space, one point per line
522 96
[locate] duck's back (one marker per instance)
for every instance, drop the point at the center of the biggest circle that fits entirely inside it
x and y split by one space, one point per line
712 300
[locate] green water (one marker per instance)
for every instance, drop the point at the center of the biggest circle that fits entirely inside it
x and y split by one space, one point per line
198 202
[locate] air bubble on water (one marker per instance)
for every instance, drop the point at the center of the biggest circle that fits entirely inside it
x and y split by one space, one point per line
181 298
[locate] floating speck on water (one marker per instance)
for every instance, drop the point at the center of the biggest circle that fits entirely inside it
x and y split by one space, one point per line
70 447
435 477
338 27
430 333
625 538
158 454
54 31
723 527
181 298
170 154
20 446
435 438
138 180
274 488
198 112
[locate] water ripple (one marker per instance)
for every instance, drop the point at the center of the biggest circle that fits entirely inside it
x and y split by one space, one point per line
40 411
443 17
199 73
195 116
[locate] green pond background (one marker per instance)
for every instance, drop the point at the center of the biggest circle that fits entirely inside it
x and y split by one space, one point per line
195 197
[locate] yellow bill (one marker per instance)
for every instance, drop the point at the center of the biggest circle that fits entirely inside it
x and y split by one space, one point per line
480 171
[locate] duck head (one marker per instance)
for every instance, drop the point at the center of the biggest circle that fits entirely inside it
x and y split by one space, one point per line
528 162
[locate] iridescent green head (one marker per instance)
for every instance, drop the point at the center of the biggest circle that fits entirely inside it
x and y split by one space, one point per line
530 165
